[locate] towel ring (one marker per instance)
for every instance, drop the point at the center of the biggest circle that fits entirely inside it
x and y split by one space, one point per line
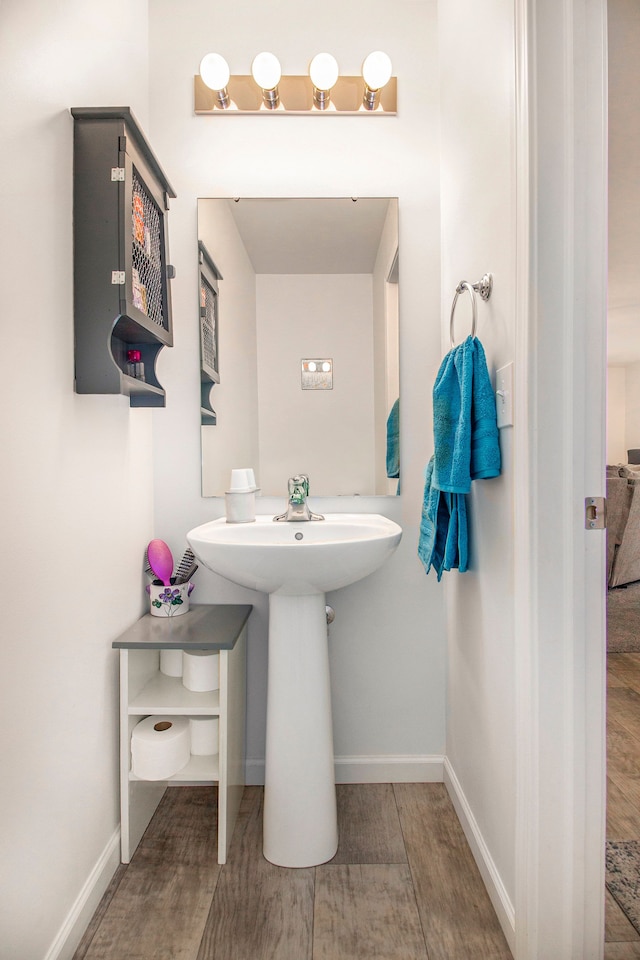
483 287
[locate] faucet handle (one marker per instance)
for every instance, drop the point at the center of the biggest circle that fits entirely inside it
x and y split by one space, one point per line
298 488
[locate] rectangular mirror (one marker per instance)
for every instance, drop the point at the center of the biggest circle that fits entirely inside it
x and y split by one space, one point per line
306 335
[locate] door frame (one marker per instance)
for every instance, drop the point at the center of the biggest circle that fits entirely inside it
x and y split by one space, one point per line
560 589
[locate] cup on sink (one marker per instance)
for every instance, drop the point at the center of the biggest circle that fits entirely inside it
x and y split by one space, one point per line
240 499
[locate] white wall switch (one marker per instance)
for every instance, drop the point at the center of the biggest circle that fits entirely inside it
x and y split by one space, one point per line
504 395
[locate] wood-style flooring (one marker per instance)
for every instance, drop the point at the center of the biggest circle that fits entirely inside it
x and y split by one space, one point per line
402 886
403 883
623 786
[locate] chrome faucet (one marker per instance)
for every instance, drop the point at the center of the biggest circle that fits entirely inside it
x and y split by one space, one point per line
297 507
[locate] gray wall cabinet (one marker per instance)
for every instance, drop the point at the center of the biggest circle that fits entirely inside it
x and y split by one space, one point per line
122 298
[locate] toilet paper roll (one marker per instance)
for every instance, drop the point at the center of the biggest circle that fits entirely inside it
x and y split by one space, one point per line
160 747
200 670
171 663
204 736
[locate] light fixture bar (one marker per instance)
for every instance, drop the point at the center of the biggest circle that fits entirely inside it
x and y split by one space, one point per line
296 94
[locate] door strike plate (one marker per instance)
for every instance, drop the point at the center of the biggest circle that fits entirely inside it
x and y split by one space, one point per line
595 513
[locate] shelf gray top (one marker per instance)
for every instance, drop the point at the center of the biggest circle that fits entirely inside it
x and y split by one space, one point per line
204 627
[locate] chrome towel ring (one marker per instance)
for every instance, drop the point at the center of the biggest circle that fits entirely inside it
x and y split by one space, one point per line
484 288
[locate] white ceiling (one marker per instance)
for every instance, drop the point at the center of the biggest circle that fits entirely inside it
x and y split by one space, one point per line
623 319
310 235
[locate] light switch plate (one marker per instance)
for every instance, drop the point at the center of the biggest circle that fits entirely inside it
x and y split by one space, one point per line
504 395
317 374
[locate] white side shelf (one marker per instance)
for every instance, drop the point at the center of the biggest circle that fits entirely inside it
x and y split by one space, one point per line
198 770
145 691
162 694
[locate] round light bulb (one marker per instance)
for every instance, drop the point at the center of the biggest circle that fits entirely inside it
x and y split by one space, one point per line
326 367
266 71
376 70
312 367
323 71
214 71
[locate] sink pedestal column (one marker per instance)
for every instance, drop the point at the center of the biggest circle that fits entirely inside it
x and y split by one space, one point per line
300 818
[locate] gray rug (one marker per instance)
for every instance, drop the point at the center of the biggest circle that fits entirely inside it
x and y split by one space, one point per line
623 877
623 619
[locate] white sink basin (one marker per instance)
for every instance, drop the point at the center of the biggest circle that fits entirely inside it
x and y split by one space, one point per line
295 563
296 558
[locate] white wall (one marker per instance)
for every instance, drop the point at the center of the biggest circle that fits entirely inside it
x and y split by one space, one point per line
76 480
632 410
617 414
478 236
623 295
310 431
235 398
387 643
623 411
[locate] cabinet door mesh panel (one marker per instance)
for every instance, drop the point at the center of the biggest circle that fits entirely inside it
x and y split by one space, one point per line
147 286
208 325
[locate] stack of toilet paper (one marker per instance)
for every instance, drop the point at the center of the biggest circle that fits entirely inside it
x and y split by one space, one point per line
162 745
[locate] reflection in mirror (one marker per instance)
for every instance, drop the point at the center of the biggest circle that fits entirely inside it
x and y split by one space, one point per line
307 331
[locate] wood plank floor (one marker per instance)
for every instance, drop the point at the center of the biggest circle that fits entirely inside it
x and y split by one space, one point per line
403 883
402 886
622 942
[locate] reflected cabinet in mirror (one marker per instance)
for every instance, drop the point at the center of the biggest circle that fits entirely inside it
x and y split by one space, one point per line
306 344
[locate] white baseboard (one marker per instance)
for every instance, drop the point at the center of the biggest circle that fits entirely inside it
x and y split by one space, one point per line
70 933
493 882
397 768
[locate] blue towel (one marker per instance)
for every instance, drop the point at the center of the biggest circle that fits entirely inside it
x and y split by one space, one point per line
466 446
443 542
393 441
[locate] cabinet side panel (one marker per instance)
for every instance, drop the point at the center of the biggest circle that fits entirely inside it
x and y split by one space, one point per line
144 797
223 775
232 737
96 255
138 798
125 845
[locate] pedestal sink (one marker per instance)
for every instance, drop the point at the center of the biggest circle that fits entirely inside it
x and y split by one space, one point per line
296 563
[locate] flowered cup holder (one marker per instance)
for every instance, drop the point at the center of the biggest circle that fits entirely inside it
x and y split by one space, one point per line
171 601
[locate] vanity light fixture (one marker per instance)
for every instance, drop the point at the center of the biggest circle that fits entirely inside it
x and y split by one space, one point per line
215 74
266 72
320 92
324 72
376 73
